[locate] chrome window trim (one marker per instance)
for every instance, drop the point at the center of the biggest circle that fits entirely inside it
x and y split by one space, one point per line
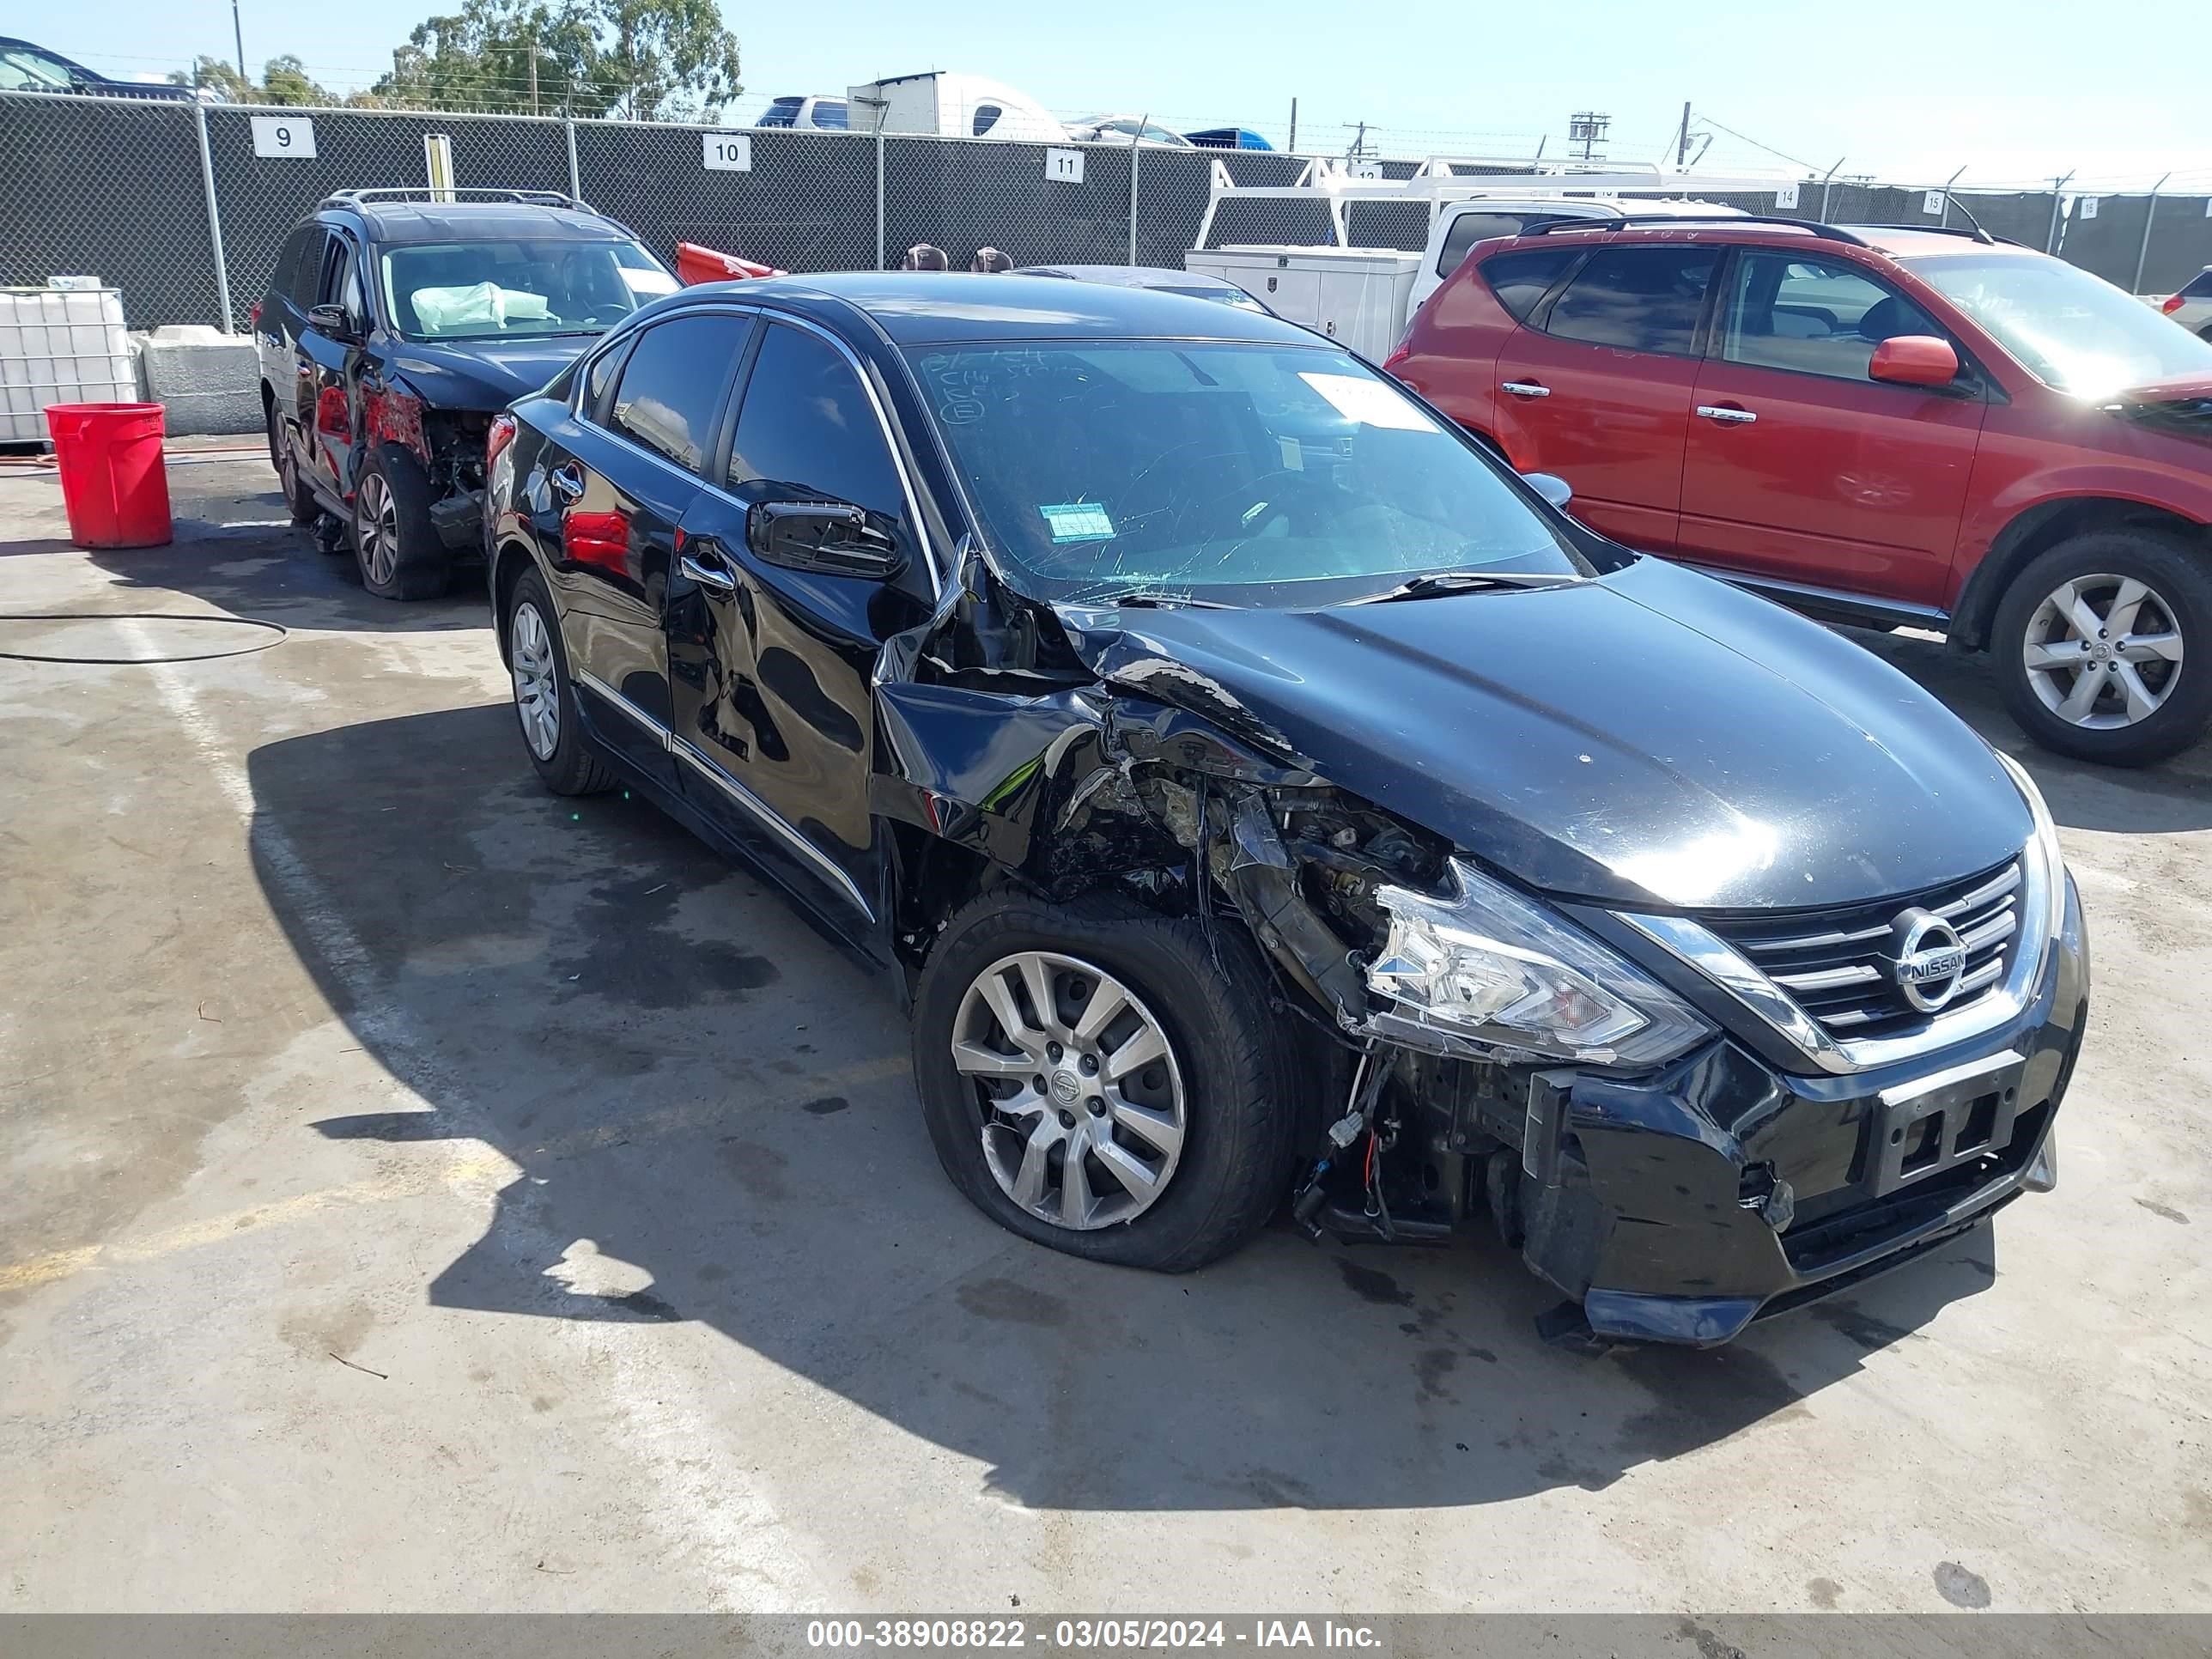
1705 952
769 817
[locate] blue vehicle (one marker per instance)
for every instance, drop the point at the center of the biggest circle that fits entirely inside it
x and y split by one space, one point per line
1228 139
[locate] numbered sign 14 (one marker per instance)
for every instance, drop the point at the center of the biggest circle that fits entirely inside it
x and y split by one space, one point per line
728 152
285 137
1064 166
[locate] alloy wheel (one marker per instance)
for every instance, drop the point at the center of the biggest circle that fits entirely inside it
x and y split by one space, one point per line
376 527
1083 1102
2103 652
537 681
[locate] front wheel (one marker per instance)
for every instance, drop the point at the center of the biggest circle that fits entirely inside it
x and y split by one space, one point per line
2093 644
394 542
1092 1080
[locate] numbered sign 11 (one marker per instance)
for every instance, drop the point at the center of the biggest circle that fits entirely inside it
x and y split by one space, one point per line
1064 166
728 152
284 137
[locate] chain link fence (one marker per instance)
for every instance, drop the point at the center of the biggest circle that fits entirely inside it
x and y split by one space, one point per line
172 204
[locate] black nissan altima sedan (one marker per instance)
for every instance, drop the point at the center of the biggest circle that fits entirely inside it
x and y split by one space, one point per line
1263 801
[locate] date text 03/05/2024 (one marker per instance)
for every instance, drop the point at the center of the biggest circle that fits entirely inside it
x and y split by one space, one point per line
1122 1634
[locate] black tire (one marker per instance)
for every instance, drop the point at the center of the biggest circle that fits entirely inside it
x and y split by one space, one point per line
299 500
1243 1081
575 767
418 565
2180 574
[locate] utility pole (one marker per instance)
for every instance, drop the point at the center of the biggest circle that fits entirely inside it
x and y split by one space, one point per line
1293 145
1682 139
533 75
237 34
1587 127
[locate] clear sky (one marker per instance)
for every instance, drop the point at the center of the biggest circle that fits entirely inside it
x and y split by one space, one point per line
1908 90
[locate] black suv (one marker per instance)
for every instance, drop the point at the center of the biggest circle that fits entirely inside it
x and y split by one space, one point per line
1262 796
396 324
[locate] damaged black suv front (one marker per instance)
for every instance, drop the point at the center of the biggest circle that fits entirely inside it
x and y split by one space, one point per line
1709 958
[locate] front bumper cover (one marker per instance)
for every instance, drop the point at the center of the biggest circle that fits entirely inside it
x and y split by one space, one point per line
1679 1207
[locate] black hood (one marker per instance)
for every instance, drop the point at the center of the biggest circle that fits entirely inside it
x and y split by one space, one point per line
484 375
1653 739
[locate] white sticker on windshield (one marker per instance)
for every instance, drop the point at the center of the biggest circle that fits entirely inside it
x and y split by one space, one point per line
1078 521
1370 403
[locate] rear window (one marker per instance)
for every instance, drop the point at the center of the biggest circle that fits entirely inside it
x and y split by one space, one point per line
829 113
1638 299
1521 278
1472 227
2200 286
783 112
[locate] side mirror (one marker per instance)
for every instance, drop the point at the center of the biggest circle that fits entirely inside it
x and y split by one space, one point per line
829 537
1551 486
1914 360
331 322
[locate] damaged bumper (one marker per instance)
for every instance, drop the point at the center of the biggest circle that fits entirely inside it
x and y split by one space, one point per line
1679 1208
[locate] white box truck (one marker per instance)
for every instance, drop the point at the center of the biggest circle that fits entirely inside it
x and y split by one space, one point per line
947 105
1355 296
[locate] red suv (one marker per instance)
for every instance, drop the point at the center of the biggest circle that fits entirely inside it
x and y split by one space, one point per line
1878 425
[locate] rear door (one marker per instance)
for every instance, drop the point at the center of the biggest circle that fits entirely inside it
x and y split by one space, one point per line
771 666
332 369
1800 468
616 481
304 289
1596 385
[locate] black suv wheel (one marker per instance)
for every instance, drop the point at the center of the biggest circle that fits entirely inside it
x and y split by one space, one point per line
2103 646
397 545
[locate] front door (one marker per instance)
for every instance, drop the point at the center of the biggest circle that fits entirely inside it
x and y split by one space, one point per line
1798 466
619 477
1595 386
770 666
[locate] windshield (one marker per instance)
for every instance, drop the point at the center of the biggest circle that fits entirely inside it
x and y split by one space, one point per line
23 69
1257 475
500 290
2071 330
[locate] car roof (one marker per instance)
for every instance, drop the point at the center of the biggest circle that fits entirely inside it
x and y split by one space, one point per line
1890 241
943 308
444 221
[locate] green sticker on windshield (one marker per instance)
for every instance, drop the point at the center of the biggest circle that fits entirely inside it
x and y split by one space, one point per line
1078 521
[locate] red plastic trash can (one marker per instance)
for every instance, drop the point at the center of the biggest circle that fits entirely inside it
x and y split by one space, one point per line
114 486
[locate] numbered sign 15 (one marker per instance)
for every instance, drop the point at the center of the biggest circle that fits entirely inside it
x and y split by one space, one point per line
284 136
729 152
2088 207
1932 202
1064 166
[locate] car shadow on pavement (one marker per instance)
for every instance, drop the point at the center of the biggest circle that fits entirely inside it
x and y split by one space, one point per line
708 1114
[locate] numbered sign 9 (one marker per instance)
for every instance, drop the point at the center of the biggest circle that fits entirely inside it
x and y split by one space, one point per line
284 137
1064 166
728 152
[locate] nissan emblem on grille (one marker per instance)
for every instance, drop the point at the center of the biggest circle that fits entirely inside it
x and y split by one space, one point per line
1929 962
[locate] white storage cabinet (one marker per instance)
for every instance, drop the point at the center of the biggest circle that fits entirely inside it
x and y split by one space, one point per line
1355 296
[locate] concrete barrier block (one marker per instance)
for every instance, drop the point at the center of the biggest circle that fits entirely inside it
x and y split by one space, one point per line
208 381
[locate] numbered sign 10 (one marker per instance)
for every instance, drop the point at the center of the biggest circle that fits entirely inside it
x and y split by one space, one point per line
284 137
1064 166
728 152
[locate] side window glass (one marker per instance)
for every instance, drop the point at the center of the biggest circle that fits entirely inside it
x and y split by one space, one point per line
307 283
287 264
1639 299
808 432
1815 316
672 387
1525 275
1472 227
599 377
350 294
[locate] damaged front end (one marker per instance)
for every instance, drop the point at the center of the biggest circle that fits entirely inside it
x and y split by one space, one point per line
1486 1054
449 444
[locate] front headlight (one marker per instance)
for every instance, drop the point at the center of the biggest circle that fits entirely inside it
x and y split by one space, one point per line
2042 846
1484 968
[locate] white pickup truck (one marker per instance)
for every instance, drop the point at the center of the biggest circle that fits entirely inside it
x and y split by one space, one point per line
1365 296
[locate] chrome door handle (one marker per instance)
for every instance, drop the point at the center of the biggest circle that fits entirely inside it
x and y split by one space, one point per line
716 581
567 479
1727 416
1526 389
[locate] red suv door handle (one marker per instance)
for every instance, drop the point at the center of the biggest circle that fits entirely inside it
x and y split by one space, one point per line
1528 388
1727 414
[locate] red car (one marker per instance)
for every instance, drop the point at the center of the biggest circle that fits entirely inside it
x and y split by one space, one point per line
1878 425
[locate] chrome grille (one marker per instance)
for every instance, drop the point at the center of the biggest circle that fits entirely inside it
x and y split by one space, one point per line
1836 962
